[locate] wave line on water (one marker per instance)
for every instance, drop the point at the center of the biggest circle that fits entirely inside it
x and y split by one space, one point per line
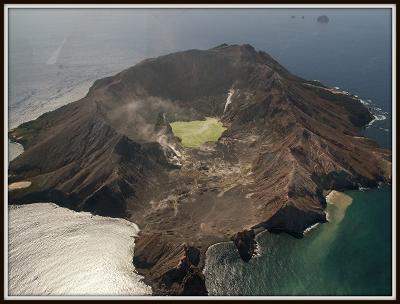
54 57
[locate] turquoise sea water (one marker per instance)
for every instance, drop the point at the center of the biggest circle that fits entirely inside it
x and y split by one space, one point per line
349 255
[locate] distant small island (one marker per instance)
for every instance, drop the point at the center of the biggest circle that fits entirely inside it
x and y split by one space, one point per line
323 19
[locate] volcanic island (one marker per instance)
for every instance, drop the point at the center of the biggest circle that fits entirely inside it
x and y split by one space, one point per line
199 147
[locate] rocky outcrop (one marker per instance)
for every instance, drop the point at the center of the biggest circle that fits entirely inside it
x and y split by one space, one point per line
245 244
170 268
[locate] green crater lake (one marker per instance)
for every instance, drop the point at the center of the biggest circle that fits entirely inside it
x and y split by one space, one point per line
197 132
349 255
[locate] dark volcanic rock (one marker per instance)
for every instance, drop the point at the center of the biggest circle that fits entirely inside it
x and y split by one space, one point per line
194 283
169 268
281 222
245 243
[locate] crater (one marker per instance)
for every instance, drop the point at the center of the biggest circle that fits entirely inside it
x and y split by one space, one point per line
195 133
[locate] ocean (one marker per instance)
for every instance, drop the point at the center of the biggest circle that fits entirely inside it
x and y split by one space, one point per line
348 256
54 57
57 251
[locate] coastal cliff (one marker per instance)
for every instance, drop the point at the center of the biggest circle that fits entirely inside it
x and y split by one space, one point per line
113 153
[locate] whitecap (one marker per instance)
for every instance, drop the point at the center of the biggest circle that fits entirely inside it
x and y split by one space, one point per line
380 117
307 230
377 117
364 102
257 252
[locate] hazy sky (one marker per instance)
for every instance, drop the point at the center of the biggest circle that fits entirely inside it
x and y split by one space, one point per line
181 28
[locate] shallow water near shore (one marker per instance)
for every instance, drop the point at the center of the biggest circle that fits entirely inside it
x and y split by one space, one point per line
349 255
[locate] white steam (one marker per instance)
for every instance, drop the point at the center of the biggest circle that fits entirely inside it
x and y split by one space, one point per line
229 99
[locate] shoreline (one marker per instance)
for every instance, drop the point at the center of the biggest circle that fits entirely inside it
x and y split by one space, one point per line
15 148
333 197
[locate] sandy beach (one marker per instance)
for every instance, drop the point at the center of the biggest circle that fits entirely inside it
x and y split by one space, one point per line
341 201
19 185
